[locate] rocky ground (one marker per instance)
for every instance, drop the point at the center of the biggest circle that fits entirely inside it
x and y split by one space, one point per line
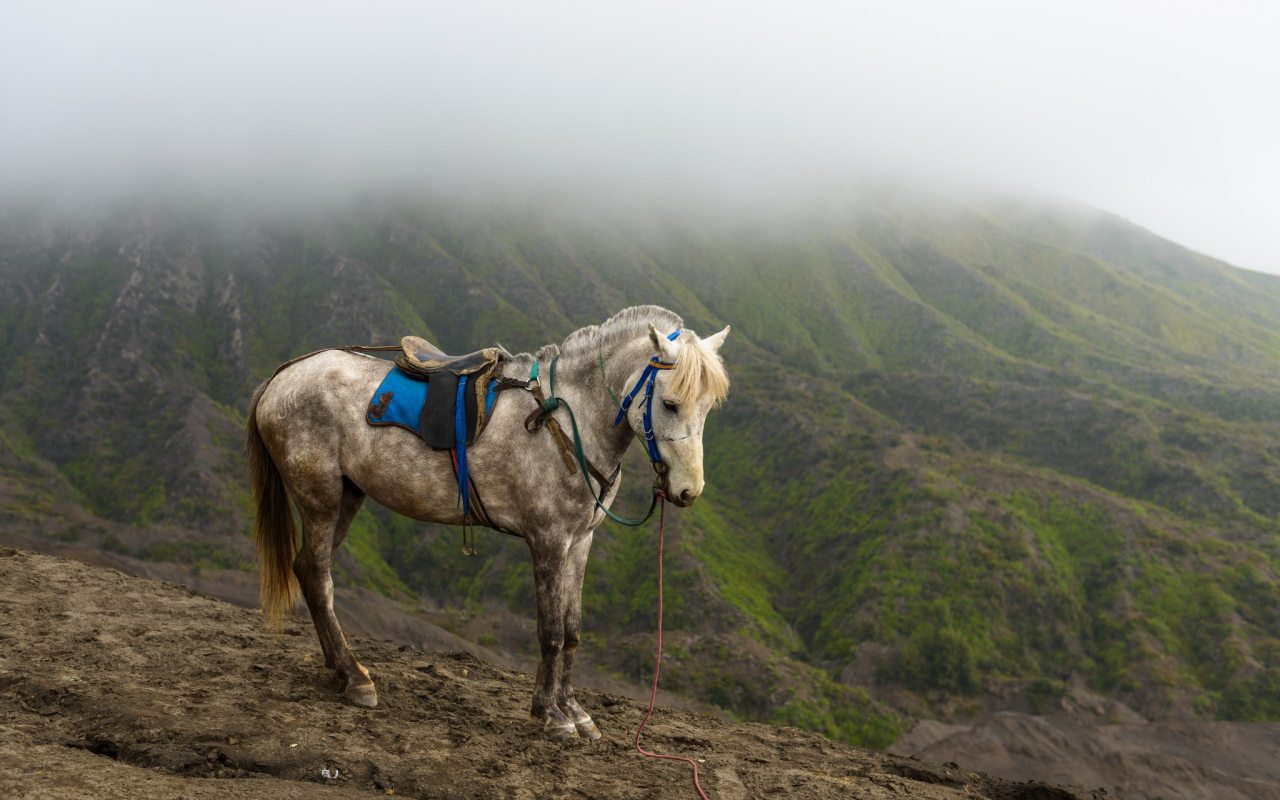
113 686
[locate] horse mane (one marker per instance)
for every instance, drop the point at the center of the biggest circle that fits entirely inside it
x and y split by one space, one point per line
699 372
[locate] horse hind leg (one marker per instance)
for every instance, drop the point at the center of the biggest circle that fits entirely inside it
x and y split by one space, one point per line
352 499
326 518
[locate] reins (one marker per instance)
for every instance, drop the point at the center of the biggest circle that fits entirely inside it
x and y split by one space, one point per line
646 382
548 404
542 415
657 663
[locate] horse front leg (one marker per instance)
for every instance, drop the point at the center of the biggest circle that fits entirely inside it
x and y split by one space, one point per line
566 700
551 585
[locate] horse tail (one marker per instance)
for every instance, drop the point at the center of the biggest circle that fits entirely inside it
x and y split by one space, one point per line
274 527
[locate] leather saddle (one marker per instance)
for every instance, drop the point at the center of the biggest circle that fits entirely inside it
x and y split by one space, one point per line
420 357
444 399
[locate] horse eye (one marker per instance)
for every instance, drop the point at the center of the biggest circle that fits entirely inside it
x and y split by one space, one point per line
671 406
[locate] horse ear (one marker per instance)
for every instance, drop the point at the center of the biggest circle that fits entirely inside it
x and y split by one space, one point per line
716 339
664 346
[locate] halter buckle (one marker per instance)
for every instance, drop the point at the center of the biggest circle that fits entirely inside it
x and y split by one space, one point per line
660 478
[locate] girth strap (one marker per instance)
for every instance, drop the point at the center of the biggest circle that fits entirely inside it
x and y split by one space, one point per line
460 447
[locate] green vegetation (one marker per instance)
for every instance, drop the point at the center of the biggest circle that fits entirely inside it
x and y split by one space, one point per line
843 713
967 448
938 658
361 562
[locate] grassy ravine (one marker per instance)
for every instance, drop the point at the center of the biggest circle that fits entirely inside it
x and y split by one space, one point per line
1006 449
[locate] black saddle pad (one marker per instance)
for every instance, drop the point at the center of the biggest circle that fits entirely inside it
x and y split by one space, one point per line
428 408
438 423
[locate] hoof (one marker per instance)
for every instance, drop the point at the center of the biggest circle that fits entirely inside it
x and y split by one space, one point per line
364 695
587 729
561 730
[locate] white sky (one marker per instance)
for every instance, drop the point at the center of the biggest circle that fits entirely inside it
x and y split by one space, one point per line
1167 113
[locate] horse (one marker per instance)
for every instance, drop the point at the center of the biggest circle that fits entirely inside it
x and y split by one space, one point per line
309 445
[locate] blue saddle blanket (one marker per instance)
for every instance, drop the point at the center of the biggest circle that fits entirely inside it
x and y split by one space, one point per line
442 418
398 401
446 419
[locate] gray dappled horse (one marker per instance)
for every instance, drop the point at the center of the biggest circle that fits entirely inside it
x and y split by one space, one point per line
308 441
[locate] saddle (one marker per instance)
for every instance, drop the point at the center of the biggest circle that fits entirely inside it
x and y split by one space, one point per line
452 380
446 400
420 357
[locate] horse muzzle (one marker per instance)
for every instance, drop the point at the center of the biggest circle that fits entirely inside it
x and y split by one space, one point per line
680 496
684 499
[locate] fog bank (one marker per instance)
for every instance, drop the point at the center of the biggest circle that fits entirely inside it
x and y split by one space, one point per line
1162 112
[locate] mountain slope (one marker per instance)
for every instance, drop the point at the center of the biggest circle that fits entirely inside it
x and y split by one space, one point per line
975 454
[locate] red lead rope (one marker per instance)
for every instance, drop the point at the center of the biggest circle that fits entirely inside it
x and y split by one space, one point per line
653 697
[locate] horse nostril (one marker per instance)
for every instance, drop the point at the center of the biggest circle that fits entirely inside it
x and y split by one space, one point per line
686 496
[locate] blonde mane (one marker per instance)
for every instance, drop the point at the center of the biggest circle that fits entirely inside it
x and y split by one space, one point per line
698 373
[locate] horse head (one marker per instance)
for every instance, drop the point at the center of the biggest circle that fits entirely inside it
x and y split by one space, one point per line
690 383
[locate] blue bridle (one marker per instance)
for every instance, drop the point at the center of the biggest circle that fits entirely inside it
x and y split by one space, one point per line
646 382
552 403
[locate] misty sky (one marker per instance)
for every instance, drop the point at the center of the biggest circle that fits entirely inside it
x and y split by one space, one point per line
1167 113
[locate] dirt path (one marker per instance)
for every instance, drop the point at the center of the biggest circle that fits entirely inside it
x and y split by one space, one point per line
118 687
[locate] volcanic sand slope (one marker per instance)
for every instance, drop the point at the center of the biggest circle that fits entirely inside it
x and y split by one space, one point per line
1166 760
119 687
